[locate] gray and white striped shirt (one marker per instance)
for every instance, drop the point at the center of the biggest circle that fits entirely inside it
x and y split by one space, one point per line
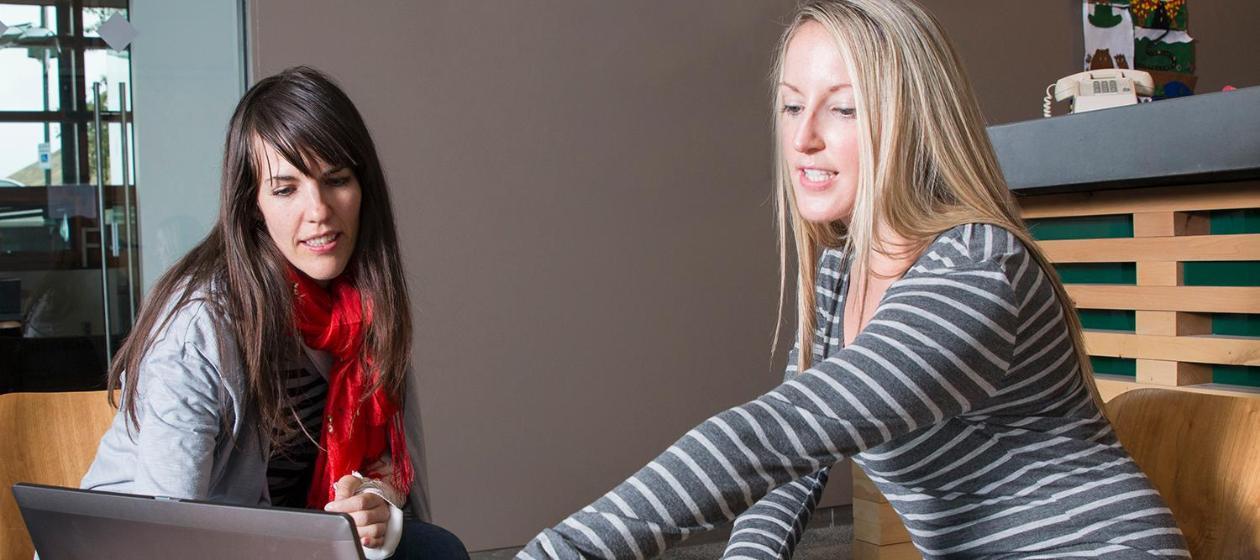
962 401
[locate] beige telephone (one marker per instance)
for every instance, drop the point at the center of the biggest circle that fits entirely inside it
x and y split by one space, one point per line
1100 89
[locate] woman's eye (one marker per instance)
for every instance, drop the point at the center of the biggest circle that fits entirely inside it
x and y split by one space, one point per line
338 181
846 112
790 109
282 191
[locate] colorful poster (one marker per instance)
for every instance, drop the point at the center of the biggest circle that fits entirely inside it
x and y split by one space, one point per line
1160 14
1163 46
1108 35
1148 35
1160 54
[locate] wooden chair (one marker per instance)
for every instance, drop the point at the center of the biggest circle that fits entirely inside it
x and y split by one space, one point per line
1202 452
48 438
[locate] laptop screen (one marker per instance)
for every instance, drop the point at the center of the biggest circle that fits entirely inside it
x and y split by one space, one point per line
67 523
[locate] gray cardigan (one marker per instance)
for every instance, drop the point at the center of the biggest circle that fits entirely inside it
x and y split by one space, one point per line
197 437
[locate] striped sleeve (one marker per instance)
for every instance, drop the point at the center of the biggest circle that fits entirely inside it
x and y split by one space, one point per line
939 344
772 527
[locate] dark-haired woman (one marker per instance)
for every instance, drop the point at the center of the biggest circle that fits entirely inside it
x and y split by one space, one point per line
268 365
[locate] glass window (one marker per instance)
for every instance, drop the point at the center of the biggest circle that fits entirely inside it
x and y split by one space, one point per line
67 272
29 55
94 17
20 154
110 68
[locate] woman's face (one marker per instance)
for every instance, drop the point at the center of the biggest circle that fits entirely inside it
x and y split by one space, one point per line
818 131
314 221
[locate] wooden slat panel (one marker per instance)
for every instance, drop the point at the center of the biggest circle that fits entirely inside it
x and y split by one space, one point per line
1172 323
1199 299
1168 224
1111 388
863 488
1183 198
1242 247
1227 350
1154 273
1166 373
868 551
1110 385
877 523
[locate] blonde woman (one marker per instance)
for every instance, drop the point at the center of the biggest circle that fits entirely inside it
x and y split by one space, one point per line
945 357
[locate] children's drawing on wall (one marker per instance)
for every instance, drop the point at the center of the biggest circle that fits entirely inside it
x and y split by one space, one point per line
1149 35
1163 47
1108 36
1159 14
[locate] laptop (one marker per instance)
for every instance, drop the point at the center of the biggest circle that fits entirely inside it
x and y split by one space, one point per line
67 523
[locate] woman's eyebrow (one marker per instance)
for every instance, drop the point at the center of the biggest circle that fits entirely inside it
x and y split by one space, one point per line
789 86
836 87
334 170
277 178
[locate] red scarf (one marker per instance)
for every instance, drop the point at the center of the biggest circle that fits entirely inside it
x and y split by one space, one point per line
357 431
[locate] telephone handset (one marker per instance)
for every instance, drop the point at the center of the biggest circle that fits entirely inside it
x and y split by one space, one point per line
1099 89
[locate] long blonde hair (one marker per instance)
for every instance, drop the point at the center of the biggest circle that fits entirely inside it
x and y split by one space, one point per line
926 164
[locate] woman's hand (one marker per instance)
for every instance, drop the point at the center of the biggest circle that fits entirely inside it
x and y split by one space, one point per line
369 511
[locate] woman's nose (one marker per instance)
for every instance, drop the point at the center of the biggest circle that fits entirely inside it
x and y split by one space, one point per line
807 140
317 208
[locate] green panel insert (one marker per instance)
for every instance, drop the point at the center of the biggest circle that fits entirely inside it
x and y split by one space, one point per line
1109 319
1225 222
1081 227
1236 324
1221 273
1236 375
1097 273
1114 366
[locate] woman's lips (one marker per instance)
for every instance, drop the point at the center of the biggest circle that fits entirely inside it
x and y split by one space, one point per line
814 179
322 244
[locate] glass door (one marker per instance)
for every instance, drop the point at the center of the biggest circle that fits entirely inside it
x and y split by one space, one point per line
68 250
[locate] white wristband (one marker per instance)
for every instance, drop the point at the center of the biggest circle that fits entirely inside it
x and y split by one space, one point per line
393 530
393 534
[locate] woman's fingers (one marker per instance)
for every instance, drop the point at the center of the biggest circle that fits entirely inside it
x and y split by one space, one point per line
371 533
362 502
345 486
374 531
369 511
363 518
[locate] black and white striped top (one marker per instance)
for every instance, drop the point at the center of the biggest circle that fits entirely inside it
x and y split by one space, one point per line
962 401
292 460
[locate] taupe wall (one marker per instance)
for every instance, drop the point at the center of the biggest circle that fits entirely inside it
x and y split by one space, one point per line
582 193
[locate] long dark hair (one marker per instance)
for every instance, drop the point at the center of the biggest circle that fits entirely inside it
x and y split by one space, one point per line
303 115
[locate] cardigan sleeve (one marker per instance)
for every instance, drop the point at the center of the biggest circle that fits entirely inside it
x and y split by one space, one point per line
938 346
180 413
